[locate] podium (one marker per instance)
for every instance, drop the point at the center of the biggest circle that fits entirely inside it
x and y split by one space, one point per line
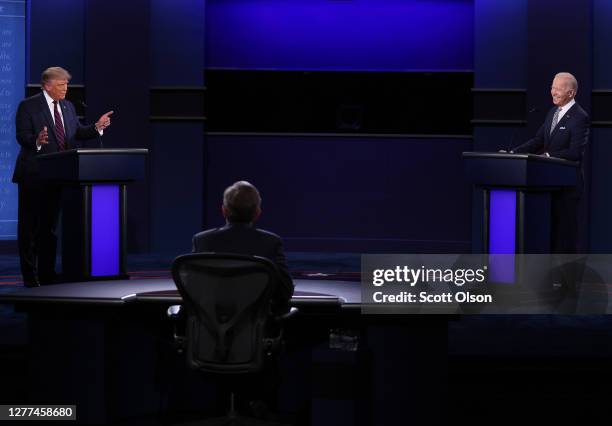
94 208
516 191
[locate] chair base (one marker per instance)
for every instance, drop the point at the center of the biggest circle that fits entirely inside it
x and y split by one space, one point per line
232 418
233 421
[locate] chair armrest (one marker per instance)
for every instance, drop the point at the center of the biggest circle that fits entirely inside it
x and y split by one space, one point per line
292 312
274 344
174 312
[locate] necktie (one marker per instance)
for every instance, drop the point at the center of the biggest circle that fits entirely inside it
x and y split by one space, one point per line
59 128
555 120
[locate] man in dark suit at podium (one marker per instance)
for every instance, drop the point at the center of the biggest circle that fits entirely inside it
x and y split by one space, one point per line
564 134
241 209
45 123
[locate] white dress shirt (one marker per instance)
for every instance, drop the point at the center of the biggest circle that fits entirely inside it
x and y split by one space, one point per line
51 106
49 100
566 108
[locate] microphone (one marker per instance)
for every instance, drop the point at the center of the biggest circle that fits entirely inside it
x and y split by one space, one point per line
515 133
98 133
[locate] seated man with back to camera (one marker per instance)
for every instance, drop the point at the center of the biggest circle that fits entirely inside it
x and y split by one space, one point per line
241 209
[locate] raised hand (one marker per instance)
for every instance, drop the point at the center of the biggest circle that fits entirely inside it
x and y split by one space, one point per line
104 121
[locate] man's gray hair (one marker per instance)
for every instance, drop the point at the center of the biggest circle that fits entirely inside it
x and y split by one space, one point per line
54 73
242 201
570 78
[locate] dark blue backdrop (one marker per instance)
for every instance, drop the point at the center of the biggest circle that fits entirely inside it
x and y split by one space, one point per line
349 193
120 51
67 46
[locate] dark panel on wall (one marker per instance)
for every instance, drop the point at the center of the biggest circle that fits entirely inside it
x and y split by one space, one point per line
601 138
176 185
601 202
56 38
349 193
177 103
328 102
499 106
500 43
177 42
602 107
177 128
602 44
117 72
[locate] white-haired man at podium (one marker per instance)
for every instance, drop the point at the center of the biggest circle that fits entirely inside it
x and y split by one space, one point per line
564 134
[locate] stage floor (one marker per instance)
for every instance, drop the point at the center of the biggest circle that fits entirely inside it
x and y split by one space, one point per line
470 335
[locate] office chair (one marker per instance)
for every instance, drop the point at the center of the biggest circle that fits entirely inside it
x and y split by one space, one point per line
226 304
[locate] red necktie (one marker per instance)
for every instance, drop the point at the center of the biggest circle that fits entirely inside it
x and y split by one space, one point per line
59 127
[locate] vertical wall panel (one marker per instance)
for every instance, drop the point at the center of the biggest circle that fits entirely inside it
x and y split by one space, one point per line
12 79
176 181
601 139
57 37
117 70
601 188
560 39
500 44
177 169
500 62
602 44
177 42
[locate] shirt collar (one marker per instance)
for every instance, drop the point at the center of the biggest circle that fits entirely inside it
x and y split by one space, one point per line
567 106
48 98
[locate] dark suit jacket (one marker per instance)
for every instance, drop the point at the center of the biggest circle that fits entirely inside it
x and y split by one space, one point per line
568 140
241 238
32 115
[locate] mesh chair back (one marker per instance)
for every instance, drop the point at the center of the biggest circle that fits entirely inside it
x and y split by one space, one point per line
226 299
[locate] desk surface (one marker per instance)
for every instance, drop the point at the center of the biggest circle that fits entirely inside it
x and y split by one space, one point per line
163 291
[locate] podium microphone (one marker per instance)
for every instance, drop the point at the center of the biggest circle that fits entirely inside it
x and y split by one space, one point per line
99 135
515 133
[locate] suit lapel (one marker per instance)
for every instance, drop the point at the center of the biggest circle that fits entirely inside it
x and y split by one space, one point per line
67 122
563 120
47 114
548 134
51 123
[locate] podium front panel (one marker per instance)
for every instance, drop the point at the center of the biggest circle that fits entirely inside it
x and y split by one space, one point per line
501 235
105 230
